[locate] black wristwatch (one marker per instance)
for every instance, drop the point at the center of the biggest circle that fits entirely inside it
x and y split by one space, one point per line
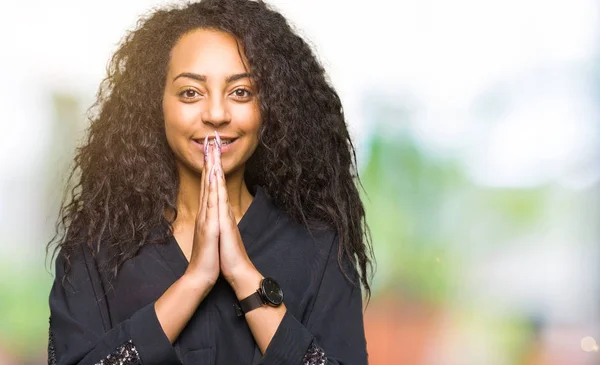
269 293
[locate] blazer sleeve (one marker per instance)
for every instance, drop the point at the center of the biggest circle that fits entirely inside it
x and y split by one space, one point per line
80 330
334 333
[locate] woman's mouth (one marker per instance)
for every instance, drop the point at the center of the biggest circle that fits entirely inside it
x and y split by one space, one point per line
226 143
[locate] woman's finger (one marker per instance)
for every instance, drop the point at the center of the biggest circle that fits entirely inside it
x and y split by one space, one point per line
202 184
217 155
224 209
204 189
212 205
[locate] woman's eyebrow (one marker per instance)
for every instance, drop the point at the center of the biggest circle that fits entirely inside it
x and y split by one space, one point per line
197 77
203 78
236 77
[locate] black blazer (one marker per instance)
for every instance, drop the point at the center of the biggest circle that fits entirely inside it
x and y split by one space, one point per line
94 321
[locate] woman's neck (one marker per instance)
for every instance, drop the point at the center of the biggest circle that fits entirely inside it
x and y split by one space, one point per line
188 195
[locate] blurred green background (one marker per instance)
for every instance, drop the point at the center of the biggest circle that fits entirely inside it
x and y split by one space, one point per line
476 125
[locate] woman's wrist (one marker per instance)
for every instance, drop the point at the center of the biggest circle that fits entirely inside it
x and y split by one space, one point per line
245 282
197 282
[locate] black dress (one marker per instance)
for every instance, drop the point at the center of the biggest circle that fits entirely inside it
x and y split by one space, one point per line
94 321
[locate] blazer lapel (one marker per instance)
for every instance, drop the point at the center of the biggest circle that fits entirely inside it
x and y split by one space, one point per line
170 253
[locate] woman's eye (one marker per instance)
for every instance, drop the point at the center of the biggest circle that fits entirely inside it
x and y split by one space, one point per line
242 93
189 94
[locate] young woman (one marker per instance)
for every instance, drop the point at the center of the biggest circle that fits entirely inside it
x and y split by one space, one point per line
214 217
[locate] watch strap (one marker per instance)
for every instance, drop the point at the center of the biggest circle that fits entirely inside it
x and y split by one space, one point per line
249 303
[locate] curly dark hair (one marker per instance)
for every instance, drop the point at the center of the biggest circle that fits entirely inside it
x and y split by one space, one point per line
125 175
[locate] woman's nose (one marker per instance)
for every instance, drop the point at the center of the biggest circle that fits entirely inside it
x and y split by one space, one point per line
216 112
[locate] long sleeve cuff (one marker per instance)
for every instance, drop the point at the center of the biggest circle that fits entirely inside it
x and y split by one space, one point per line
290 343
150 340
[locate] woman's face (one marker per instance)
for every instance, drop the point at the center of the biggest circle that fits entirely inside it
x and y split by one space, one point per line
208 89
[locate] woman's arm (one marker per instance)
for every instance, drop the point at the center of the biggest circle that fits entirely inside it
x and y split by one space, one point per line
78 333
177 305
334 333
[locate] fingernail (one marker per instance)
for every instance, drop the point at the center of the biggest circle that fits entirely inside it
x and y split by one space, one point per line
210 174
206 148
218 142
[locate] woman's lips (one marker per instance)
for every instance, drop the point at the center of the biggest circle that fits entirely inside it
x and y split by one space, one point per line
224 146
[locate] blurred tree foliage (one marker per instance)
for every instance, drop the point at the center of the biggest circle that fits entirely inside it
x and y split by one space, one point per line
407 211
427 218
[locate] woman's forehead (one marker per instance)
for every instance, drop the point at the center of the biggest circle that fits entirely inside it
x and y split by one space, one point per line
213 53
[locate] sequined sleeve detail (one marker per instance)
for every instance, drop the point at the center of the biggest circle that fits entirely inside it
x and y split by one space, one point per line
314 356
126 354
51 352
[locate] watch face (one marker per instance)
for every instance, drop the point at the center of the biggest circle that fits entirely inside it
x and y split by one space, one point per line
272 291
